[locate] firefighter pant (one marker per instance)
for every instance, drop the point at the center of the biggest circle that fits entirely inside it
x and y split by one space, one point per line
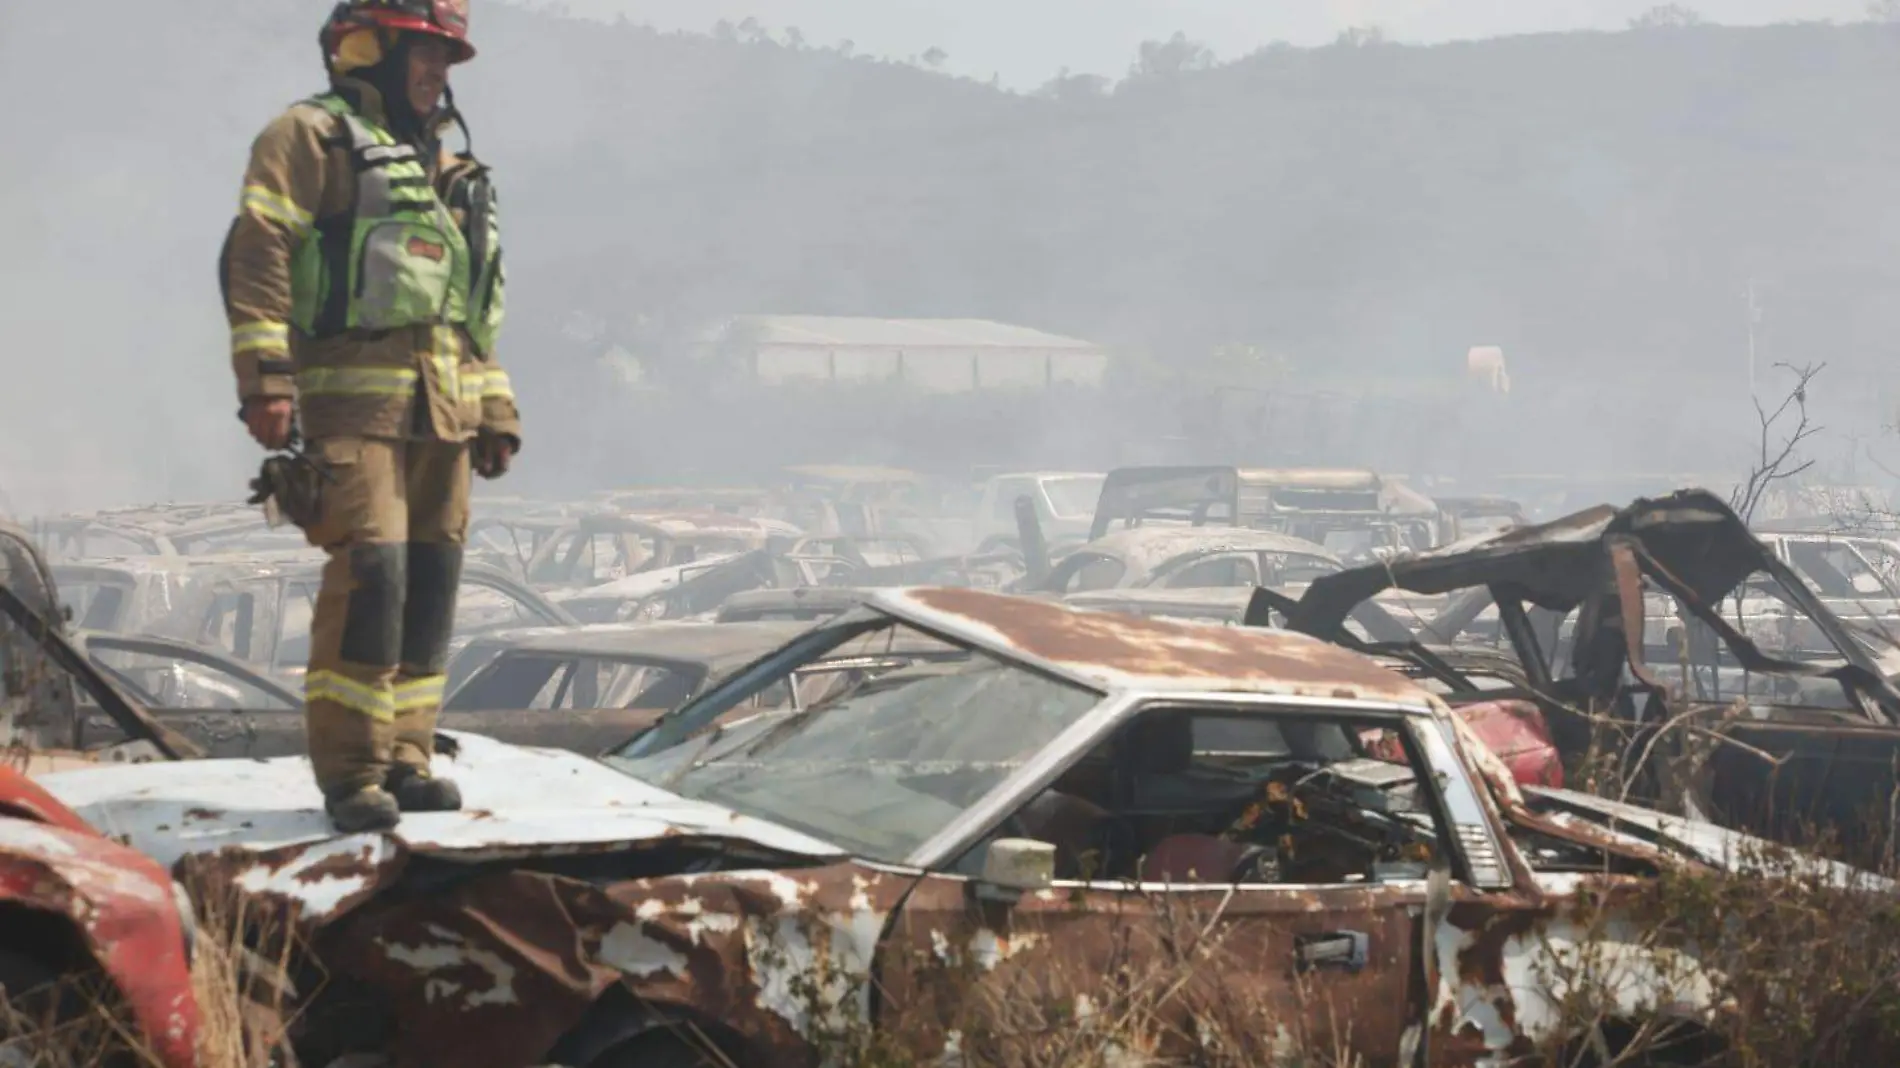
392 517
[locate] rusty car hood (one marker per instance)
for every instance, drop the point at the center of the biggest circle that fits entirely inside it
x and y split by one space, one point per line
519 803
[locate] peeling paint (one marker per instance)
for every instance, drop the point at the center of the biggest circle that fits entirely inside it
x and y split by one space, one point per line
799 975
453 953
630 949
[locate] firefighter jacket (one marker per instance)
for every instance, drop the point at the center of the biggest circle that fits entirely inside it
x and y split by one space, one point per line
364 278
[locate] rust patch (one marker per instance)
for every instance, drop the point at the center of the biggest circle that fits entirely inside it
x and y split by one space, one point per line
337 883
490 972
340 866
1134 646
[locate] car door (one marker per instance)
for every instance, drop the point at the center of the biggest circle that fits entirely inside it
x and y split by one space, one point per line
228 707
1249 968
568 701
1240 965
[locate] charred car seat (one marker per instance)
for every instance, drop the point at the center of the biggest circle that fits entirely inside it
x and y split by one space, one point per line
1162 779
1195 858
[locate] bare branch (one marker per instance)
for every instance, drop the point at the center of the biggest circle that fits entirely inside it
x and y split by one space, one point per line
1779 446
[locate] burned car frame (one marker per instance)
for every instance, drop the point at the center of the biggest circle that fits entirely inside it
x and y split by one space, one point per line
1815 729
1188 558
1366 512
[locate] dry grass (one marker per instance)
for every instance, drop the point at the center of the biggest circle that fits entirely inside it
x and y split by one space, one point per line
78 1024
1794 970
245 1000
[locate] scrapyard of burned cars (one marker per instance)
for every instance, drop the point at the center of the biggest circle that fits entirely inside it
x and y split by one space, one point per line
1038 809
1030 807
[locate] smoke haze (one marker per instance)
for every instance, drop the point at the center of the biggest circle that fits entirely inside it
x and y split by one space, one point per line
1599 205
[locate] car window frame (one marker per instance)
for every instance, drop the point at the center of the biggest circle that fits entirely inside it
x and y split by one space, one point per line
988 816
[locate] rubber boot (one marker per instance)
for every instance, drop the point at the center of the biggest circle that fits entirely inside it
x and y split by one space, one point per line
418 792
370 809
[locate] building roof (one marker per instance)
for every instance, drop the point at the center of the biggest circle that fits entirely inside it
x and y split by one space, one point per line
822 331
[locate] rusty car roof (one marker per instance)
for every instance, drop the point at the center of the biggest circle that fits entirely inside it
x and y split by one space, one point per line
719 647
1111 651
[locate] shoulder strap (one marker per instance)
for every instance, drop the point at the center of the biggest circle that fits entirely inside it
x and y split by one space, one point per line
330 102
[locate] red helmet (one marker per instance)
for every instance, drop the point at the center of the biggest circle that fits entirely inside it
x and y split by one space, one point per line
447 19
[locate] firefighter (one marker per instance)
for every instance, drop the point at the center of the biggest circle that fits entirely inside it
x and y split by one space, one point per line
363 283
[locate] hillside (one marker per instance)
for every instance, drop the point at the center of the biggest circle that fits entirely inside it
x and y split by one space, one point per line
1597 204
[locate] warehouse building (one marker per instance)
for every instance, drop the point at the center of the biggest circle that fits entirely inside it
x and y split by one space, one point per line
938 355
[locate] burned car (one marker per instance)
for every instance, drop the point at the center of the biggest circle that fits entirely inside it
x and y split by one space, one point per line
1037 808
162 530
1355 514
1064 502
1669 611
599 566
257 608
82 916
1472 517
85 920
1189 557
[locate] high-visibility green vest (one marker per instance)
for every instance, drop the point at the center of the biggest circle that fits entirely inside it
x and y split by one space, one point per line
397 260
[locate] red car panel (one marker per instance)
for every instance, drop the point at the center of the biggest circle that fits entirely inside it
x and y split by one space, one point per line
120 901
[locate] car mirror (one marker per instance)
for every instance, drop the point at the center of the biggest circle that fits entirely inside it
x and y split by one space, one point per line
1013 866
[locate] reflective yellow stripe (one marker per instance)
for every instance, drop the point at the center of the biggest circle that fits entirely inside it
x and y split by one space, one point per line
448 374
477 383
487 384
261 337
372 701
447 341
356 381
497 385
425 692
275 207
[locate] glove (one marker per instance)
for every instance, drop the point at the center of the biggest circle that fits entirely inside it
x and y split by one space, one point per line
492 453
290 485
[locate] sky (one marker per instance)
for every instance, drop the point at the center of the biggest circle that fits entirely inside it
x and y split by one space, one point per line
1026 42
